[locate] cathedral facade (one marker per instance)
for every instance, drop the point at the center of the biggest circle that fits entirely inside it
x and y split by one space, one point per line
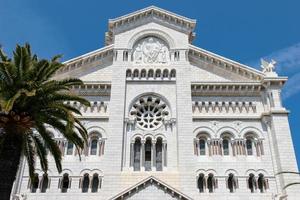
169 120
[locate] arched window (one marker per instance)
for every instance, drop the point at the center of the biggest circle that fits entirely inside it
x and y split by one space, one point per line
261 182
159 153
251 183
95 183
34 183
166 73
225 147
201 183
143 73
231 183
70 148
158 73
94 146
202 147
65 183
85 183
148 154
173 73
128 73
151 73
136 73
45 183
249 147
211 183
137 155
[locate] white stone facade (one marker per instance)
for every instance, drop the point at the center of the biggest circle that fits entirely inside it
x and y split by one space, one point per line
170 121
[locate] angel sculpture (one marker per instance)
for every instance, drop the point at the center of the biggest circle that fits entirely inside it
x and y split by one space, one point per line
268 66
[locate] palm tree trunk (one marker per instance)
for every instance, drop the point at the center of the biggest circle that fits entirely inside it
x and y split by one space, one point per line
10 152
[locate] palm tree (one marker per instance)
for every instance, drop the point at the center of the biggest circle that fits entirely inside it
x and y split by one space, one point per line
30 101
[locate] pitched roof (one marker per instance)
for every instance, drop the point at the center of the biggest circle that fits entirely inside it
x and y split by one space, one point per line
151 9
149 181
163 16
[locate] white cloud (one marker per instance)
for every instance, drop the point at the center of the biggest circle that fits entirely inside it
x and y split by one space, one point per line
288 63
291 87
288 59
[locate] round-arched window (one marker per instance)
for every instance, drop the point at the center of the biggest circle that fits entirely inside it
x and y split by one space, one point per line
149 111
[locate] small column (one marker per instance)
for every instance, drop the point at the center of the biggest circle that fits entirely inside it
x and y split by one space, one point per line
153 154
198 147
244 147
209 147
221 147
164 150
143 156
131 154
90 184
233 148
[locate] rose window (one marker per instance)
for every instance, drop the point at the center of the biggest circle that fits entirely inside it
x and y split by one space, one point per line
149 111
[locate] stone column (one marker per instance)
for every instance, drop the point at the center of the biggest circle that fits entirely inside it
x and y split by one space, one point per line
153 154
164 151
233 148
198 147
143 155
131 154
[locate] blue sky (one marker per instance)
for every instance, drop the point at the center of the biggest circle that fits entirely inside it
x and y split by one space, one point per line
244 31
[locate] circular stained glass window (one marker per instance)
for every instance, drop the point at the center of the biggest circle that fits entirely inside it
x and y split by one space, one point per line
149 112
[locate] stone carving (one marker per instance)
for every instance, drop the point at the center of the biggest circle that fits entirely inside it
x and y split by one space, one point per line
151 50
150 112
20 197
268 66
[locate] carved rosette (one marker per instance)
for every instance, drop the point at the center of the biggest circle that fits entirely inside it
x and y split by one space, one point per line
150 112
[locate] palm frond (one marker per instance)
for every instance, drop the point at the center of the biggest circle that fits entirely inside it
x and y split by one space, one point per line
41 151
51 144
29 153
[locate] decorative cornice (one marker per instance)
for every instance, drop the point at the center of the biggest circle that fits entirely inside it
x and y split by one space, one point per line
155 13
88 58
223 107
92 89
225 63
226 88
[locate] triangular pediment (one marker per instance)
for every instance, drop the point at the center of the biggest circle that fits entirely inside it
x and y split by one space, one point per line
147 15
151 188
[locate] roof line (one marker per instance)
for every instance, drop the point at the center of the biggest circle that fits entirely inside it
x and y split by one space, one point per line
89 53
228 60
152 8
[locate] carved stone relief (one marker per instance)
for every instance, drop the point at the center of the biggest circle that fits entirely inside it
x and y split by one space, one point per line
151 50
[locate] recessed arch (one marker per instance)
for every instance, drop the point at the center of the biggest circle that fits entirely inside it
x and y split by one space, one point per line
137 136
97 130
226 129
84 171
251 130
67 171
231 171
151 32
250 171
203 129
